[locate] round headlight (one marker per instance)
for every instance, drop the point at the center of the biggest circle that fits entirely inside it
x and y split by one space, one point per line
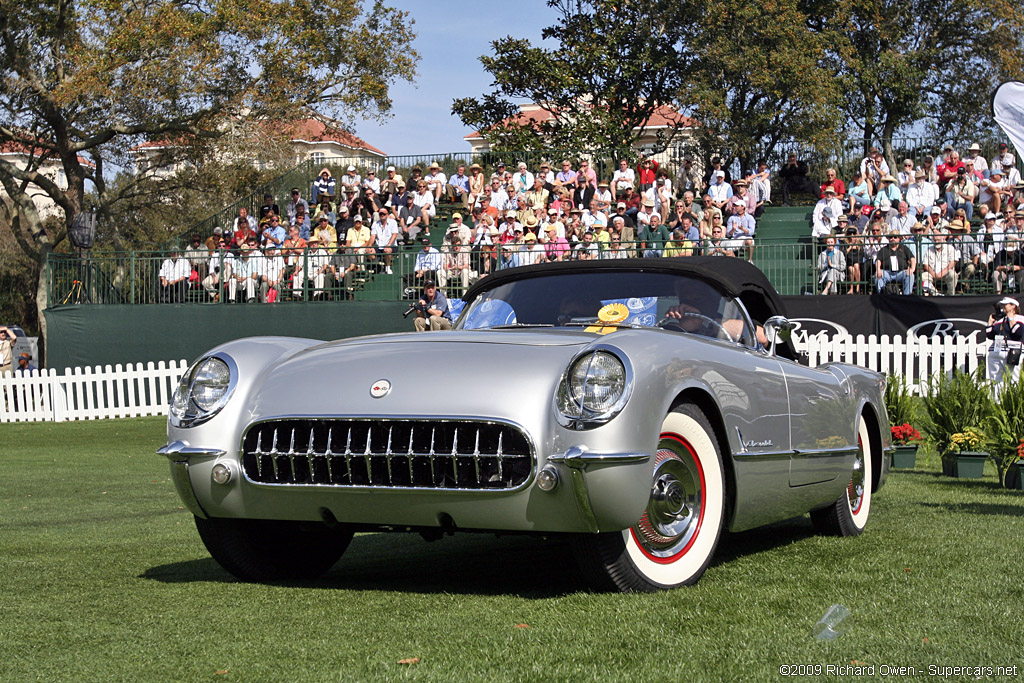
593 387
211 383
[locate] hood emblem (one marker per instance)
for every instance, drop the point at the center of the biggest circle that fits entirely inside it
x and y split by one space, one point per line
380 388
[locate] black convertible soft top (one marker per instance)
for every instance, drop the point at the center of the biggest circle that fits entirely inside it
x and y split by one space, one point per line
734 276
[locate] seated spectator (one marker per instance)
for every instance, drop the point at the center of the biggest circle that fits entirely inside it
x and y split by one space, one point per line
742 194
275 234
424 199
895 263
688 180
532 251
294 204
905 176
653 238
538 195
716 166
477 183
794 179
1006 267
272 278
603 197
358 238
244 225
740 227
663 194
854 255
623 178
938 271
25 364
968 252
990 191
269 206
428 262
369 205
458 187
902 222
832 180
587 249
222 263
391 182
247 273
415 176
508 256
961 193
214 240
920 196
719 192
626 235
950 168
826 214
436 181
888 193
174 276
325 234
555 248
291 250
312 267
860 194
371 182
433 311
679 245
831 267
325 208
410 219
344 266
323 185
980 162
716 244
197 255
384 238
455 264
351 181
302 222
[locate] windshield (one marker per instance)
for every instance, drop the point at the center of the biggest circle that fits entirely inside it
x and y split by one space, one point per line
602 301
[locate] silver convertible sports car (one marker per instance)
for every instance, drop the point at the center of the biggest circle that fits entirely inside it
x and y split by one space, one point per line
638 406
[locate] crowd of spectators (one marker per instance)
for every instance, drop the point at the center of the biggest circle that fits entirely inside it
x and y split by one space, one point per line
505 219
948 227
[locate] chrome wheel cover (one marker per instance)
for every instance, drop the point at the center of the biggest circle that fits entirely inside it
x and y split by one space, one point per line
675 510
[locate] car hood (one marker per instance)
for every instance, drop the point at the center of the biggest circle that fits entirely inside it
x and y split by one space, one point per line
451 373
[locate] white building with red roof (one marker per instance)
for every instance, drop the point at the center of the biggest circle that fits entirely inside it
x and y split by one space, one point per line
20 156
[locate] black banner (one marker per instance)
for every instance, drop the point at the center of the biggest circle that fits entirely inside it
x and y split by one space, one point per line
937 316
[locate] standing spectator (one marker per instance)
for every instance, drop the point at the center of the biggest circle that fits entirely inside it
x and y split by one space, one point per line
174 275
25 365
873 168
794 179
197 255
477 183
432 312
831 267
323 185
938 274
646 174
895 263
688 179
7 339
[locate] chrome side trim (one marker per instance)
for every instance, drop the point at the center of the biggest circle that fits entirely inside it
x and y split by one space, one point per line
176 449
767 455
183 485
579 457
831 451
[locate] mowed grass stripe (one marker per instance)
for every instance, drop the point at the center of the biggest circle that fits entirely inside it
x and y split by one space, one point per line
104 578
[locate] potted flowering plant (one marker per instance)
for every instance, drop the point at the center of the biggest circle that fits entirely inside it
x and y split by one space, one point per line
968 462
1013 478
1005 430
905 438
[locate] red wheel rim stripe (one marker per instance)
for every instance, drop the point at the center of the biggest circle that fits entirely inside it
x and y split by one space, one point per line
703 502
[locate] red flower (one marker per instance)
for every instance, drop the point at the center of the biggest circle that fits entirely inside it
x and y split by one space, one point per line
905 433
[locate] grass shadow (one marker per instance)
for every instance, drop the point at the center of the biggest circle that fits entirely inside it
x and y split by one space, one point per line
979 508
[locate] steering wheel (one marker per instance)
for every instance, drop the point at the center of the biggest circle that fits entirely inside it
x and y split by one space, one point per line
675 323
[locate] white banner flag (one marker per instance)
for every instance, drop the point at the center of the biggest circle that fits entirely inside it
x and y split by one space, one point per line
1008 110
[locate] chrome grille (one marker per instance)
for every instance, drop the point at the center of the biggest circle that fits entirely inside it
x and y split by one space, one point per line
427 454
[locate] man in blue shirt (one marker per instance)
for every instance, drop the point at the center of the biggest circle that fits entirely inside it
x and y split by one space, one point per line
458 186
432 312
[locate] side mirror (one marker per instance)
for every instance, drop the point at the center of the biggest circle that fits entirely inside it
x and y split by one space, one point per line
775 328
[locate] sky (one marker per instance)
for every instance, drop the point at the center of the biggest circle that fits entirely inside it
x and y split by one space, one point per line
450 39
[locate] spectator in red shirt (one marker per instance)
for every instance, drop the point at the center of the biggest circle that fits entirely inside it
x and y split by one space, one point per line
948 170
833 180
646 173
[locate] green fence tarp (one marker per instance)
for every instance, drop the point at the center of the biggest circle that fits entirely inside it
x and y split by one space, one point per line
112 334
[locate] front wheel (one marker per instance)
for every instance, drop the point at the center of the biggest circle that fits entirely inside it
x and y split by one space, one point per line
849 514
260 550
675 538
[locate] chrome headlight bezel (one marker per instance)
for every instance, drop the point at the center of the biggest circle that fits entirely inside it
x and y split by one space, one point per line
185 409
575 414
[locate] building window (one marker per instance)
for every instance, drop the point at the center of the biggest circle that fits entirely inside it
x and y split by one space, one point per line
317 157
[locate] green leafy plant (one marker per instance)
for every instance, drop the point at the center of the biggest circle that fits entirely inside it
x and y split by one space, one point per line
1005 428
955 403
898 401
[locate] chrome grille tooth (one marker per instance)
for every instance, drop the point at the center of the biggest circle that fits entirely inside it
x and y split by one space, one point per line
476 455
422 451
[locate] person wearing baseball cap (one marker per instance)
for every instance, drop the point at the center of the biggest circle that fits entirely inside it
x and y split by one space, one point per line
1006 330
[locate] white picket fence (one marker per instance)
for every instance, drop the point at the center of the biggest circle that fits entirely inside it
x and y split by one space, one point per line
918 359
146 389
90 393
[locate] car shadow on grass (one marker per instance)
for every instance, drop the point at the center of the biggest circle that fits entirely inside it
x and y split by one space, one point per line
479 564
1011 510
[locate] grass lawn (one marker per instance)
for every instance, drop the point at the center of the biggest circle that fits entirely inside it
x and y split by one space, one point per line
103 577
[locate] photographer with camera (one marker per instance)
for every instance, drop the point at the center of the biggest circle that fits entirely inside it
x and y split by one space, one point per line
431 310
1006 330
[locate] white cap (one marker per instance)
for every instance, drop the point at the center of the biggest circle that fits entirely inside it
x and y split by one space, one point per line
391 168
1007 300
351 168
720 174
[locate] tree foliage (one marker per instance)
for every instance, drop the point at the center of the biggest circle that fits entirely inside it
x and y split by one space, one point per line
86 80
615 62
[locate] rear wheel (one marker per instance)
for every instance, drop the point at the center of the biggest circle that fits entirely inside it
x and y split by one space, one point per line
273 550
675 538
849 514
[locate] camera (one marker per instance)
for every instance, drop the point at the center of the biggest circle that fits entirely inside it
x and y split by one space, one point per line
413 307
999 314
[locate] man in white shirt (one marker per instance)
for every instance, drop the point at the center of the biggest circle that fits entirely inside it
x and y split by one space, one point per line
921 196
980 163
174 274
248 269
623 178
350 180
436 180
990 190
939 268
384 238
826 214
222 263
